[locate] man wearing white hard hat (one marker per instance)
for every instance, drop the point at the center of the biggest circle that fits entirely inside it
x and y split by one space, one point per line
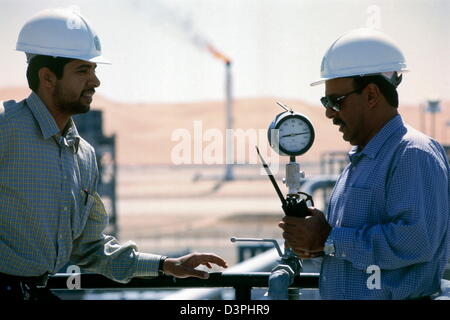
50 211
386 234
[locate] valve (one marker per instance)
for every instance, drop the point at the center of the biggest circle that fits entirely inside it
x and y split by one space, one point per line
288 258
283 274
273 241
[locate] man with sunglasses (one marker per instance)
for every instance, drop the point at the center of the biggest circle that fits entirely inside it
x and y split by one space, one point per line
386 233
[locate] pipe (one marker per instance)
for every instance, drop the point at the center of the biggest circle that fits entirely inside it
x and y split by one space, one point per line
319 182
279 282
229 152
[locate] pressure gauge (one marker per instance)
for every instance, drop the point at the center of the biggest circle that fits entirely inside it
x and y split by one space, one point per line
291 133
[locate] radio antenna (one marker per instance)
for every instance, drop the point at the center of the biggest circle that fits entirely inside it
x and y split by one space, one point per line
272 179
286 108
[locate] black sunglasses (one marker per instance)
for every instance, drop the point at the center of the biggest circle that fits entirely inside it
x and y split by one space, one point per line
334 103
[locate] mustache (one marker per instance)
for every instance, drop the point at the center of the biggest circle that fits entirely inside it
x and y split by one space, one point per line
338 122
91 90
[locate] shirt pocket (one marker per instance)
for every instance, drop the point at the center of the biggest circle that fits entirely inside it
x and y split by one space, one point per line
357 210
86 202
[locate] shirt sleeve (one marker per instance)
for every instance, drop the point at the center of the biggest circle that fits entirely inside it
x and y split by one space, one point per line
3 129
95 252
417 220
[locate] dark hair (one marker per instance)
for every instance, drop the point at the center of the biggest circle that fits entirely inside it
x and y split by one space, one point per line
55 64
386 88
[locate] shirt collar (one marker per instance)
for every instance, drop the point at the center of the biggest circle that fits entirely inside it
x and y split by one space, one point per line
373 147
70 137
45 120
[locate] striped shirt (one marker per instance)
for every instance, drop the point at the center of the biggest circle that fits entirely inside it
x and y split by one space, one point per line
389 211
50 211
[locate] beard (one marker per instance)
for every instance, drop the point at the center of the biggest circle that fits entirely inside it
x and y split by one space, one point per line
71 104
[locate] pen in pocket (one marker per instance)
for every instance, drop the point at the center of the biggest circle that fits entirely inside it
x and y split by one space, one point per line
87 196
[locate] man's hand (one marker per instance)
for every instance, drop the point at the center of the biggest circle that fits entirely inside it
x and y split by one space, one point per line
184 266
306 236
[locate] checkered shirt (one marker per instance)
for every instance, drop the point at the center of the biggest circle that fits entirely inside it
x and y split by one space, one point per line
50 211
389 209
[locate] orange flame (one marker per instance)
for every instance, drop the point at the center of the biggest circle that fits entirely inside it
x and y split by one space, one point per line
217 54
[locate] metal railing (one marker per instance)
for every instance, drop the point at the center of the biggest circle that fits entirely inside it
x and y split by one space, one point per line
243 277
243 283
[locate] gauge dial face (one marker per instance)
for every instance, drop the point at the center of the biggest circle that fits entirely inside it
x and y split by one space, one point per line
296 134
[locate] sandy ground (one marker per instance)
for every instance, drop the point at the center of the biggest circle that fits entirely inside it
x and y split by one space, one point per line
165 211
145 131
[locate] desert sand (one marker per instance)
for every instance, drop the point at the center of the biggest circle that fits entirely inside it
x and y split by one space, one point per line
144 130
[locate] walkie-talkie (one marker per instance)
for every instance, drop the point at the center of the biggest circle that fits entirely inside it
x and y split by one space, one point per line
293 205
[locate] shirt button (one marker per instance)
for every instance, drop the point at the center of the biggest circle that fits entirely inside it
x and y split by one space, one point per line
65 177
65 208
343 255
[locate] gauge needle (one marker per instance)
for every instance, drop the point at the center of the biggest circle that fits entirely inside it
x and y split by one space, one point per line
294 134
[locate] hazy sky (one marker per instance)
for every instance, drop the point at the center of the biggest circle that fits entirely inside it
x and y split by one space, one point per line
276 45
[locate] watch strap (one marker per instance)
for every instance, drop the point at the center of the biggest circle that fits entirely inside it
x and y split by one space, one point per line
161 264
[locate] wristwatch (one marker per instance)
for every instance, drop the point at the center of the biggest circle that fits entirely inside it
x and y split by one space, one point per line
329 248
161 264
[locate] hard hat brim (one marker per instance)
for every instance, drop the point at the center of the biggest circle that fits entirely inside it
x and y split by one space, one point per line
100 60
323 80
316 83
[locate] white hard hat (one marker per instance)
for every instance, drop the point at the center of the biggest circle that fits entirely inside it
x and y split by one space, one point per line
60 33
361 52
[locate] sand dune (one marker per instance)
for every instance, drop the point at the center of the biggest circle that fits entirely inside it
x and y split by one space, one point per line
144 131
